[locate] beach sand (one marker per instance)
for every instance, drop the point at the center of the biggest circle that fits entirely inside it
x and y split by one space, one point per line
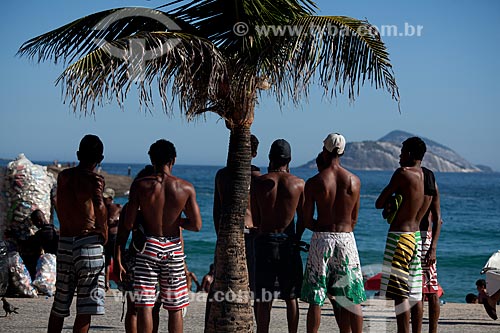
378 317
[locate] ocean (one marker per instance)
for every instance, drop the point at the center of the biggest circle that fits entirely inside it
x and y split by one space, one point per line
470 208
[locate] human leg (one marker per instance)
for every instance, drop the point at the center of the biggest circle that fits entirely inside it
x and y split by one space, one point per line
313 318
146 273
417 313
341 317
434 312
402 308
263 315
430 285
345 283
82 323
292 314
55 324
156 316
356 318
349 319
314 284
175 321
145 319
130 316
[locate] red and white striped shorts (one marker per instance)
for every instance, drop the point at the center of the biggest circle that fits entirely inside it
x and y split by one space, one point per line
161 262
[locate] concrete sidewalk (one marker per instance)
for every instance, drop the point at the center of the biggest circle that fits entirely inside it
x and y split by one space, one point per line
378 317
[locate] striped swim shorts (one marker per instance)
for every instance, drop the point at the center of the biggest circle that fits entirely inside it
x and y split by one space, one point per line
429 273
161 262
80 267
402 269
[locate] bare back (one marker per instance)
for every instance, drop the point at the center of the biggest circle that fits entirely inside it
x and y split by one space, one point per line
276 196
162 198
409 182
335 193
80 205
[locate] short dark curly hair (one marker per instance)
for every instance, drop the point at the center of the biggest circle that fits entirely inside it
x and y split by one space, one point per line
162 152
416 147
91 149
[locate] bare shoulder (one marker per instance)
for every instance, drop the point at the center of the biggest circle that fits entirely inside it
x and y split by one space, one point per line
181 184
410 172
315 183
295 182
221 174
298 180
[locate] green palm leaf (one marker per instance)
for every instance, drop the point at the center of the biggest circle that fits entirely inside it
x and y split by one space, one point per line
190 67
339 53
88 33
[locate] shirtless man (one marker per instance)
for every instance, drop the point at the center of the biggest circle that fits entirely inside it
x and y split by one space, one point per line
402 269
83 231
275 198
430 230
333 267
221 187
162 198
207 280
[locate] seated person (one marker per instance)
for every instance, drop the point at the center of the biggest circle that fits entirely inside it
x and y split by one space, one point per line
482 295
471 298
47 236
45 240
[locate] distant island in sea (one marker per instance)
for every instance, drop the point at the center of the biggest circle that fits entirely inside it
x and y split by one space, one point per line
383 154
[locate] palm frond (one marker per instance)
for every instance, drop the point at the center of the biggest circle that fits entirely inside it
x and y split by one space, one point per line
88 33
338 52
191 68
218 19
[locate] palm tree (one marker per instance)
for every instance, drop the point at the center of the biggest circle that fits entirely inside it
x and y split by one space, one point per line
215 55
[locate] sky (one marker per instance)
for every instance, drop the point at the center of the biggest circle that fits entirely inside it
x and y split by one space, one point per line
448 78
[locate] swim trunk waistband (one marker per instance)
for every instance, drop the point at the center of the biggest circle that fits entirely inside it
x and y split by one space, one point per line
274 235
82 240
173 239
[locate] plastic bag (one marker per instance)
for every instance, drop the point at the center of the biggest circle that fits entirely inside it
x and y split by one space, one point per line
45 280
20 277
4 268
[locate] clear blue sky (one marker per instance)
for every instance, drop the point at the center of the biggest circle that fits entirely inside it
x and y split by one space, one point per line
448 79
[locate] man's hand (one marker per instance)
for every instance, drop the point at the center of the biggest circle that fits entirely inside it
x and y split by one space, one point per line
430 257
119 270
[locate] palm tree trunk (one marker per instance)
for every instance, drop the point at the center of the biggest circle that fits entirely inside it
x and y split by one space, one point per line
230 309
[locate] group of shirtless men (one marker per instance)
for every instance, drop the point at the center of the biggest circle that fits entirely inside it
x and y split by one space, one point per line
168 203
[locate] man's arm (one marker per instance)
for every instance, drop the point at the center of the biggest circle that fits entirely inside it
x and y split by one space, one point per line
127 219
389 190
435 209
192 221
355 211
254 205
194 278
100 211
309 204
300 215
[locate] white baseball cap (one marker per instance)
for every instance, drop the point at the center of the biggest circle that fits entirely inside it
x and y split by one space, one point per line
334 140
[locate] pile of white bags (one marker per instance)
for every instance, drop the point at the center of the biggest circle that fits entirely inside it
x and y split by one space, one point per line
27 187
20 277
45 280
4 268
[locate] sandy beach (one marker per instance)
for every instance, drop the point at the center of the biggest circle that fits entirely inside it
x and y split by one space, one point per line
378 317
